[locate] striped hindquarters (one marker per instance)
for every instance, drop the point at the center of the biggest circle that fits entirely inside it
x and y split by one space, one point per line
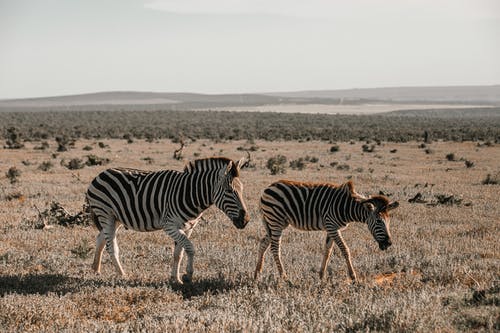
134 197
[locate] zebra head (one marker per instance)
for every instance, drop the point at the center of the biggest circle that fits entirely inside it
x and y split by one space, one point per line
229 194
378 219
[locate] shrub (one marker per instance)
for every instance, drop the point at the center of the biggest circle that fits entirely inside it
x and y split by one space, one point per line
62 143
45 166
276 164
298 164
87 148
94 160
13 139
102 145
334 148
129 138
343 167
451 157
312 159
368 149
469 164
75 163
13 174
44 145
491 180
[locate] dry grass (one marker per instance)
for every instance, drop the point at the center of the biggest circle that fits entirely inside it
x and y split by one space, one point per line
441 274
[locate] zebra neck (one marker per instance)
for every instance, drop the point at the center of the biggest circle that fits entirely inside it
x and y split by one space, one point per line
345 209
199 189
360 213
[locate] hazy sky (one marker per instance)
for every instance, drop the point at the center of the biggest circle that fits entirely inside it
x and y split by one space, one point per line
58 47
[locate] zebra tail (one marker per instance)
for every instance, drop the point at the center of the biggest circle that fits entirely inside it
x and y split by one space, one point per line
92 215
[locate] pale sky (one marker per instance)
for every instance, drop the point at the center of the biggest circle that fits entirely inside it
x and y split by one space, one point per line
61 47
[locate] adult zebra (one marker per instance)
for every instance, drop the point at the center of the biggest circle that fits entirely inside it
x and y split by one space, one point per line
169 200
309 206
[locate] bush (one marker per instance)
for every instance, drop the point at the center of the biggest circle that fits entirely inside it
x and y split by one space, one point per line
491 180
334 148
149 160
276 164
62 143
451 157
129 138
312 159
368 149
298 164
75 164
44 145
13 139
94 160
102 145
469 164
13 174
343 167
45 166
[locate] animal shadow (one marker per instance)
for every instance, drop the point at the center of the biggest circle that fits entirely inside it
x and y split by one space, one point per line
211 286
37 284
42 284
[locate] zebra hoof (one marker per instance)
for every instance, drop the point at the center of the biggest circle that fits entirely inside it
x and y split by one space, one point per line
175 281
186 278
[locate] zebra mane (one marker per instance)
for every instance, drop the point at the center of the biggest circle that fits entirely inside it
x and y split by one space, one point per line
208 163
349 187
376 200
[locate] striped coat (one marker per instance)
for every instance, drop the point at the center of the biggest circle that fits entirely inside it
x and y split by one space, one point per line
166 200
314 206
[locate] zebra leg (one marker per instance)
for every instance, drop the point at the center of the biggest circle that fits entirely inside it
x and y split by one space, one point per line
179 253
99 248
337 237
112 245
326 257
264 245
182 242
275 249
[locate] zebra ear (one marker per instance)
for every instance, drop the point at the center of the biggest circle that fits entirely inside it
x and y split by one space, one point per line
228 168
240 164
244 162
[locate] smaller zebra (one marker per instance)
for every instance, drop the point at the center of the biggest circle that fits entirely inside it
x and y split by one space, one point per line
329 207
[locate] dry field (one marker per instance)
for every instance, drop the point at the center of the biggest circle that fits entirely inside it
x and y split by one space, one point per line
441 274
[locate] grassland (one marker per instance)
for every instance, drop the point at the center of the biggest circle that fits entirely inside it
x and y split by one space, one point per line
441 274
474 124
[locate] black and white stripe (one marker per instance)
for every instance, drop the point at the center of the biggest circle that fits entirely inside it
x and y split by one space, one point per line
309 206
164 200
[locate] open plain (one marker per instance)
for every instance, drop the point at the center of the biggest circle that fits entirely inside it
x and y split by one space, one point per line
441 274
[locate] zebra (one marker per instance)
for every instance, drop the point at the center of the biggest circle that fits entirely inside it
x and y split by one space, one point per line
170 200
320 206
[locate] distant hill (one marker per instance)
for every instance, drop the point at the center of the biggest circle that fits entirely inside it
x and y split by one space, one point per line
132 100
141 98
453 94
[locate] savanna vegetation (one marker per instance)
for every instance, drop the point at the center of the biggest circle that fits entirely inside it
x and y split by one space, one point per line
450 125
441 274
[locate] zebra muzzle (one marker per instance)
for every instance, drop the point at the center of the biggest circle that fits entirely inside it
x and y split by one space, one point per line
241 221
383 245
